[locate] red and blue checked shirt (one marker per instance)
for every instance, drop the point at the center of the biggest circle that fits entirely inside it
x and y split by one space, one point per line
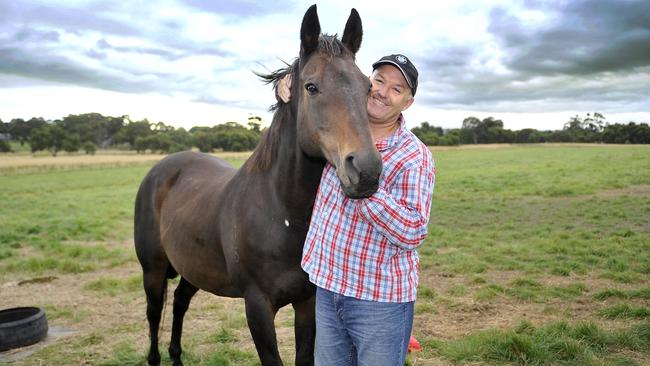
365 248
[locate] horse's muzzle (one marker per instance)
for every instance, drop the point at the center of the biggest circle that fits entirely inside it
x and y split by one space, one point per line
361 174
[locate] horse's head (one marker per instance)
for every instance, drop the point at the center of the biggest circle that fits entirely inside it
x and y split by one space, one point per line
331 96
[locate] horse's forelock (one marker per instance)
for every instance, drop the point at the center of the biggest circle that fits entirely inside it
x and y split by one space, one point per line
331 46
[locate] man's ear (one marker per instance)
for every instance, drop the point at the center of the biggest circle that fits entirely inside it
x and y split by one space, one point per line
408 103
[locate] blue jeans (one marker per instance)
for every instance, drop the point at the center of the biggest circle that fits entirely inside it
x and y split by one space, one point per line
350 331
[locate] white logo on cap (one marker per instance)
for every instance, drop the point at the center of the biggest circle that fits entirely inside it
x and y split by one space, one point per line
401 59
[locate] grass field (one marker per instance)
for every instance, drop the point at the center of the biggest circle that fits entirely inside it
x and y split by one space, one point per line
537 255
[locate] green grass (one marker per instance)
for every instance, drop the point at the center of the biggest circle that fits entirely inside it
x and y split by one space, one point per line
124 354
113 287
626 311
643 293
60 221
539 228
502 210
554 344
16 147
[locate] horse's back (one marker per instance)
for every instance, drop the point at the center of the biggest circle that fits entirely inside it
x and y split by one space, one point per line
175 172
175 208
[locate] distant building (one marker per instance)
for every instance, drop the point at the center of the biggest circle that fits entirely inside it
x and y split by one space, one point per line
5 136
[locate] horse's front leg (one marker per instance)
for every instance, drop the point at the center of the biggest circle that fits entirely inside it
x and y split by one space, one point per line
260 315
305 329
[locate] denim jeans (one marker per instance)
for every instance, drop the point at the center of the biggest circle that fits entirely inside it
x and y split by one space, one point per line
350 331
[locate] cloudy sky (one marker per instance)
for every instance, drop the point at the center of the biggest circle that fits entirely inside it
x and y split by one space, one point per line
530 63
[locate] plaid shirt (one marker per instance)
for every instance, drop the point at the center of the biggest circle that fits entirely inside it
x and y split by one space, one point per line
365 248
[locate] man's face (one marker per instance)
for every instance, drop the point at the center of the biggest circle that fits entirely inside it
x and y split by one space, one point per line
389 96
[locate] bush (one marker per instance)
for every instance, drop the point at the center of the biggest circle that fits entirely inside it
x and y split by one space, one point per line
71 143
89 148
4 146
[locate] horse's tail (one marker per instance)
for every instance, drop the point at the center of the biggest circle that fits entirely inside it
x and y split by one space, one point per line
156 267
146 226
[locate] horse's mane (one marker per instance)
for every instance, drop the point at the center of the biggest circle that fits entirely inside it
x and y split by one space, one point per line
266 151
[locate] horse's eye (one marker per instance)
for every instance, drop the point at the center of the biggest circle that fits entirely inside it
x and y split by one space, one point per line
311 88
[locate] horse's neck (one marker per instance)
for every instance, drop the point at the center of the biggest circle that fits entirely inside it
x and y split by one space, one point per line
295 177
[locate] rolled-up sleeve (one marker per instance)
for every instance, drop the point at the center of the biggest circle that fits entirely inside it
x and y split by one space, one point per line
401 212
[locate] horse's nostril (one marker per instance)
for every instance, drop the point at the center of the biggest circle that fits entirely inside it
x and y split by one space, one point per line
351 169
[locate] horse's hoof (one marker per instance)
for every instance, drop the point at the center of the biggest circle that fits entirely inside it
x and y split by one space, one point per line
153 360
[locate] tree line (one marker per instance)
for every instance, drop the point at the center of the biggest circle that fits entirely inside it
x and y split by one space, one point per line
590 128
88 132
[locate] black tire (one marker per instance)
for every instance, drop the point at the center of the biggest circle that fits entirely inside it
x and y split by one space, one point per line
20 327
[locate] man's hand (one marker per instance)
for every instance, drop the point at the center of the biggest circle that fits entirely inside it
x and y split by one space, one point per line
283 89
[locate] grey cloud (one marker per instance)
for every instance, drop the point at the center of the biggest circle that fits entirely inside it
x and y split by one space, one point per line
170 50
34 35
73 19
79 20
588 37
446 59
103 45
55 68
30 48
585 56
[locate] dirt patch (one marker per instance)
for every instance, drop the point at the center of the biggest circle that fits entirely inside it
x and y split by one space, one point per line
93 313
22 163
454 316
71 305
642 190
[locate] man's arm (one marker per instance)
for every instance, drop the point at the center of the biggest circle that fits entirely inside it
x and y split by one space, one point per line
402 214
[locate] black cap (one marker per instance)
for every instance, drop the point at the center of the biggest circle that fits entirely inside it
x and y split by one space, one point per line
404 65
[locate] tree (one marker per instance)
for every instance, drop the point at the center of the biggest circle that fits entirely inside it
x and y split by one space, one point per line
203 140
4 127
588 129
49 137
595 123
94 127
181 140
132 130
469 128
71 142
428 134
529 136
451 138
489 130
19 130
255 123
631 133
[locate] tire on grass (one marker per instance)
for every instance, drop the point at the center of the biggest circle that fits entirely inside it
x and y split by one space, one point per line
20 327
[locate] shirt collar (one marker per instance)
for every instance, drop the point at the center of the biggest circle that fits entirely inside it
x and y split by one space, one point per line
388 142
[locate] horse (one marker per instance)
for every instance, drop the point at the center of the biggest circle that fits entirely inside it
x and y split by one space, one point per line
240 232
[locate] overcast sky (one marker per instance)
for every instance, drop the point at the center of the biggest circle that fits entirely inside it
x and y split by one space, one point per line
530 63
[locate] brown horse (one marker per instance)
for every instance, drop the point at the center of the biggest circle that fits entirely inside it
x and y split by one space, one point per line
240 233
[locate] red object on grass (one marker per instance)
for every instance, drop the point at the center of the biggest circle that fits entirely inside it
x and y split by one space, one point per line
414 345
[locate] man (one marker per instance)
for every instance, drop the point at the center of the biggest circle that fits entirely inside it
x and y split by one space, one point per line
361 254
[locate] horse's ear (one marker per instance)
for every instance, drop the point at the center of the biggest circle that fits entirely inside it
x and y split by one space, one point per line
309 32
353 32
